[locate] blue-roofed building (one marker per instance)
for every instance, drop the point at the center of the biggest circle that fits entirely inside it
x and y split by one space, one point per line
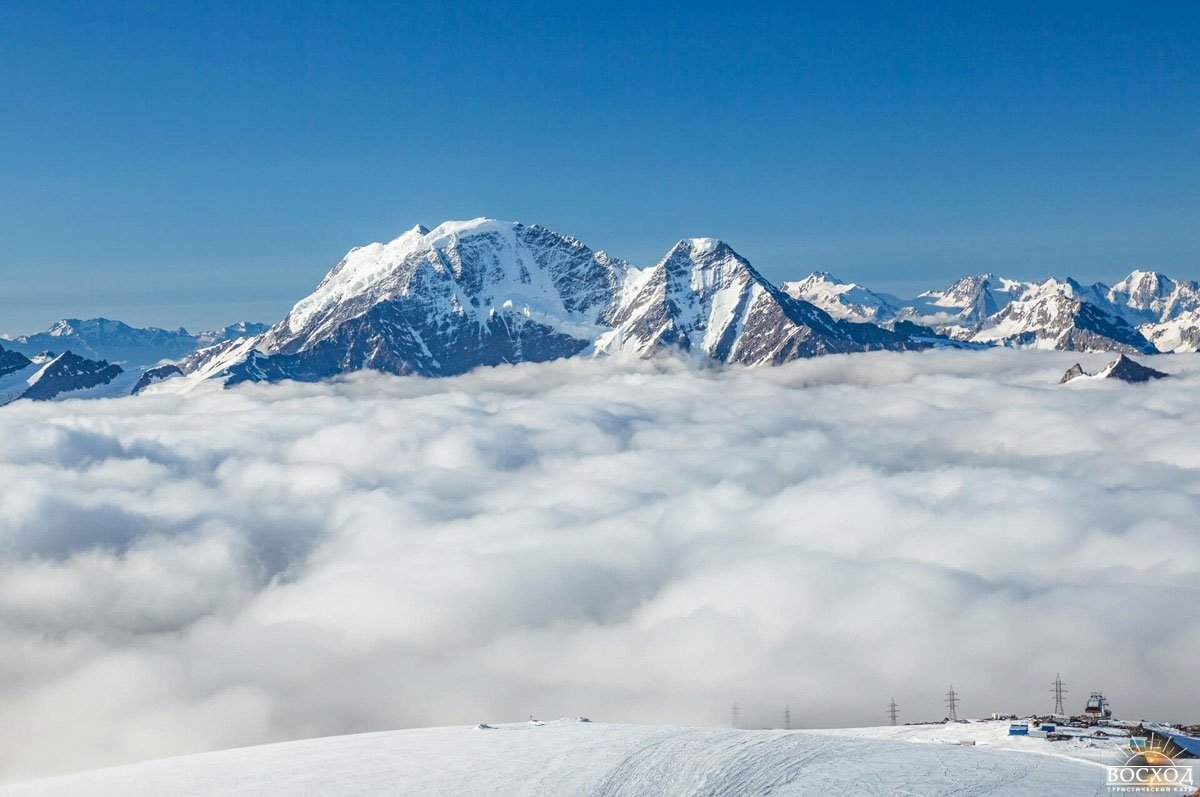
1176 745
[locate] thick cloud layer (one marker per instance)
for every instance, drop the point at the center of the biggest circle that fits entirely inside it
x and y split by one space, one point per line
638 542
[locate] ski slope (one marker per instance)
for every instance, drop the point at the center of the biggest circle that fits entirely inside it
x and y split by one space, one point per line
574 757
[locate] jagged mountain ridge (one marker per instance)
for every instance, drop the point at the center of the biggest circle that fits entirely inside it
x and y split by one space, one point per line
50 376
485 292
1144 313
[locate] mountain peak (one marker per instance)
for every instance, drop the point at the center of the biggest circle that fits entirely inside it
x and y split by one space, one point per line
694 248
1124 368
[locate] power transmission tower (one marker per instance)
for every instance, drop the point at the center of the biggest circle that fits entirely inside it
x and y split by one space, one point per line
893 710
787 718
1059 690
952 702
734 717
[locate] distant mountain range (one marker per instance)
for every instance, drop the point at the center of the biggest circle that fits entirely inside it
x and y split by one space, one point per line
102 339
484 292
98 357
1144 313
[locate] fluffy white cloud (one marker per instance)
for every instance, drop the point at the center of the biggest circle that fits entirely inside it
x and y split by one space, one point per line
633 541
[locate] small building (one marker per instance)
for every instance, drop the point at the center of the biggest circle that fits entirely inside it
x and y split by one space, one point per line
1018 729
1176 745
1097 707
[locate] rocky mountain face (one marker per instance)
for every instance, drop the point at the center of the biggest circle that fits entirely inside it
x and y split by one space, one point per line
1146 297
706 299
12 361
49 376
152 376
1123 368
66 373
487 292
1062 316
115 341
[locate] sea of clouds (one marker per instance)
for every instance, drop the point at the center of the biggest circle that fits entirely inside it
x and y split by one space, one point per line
644 542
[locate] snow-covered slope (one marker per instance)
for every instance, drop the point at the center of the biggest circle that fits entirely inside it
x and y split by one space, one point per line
1123 369
572 757
1052 314
1179 334
1150 297
967 302
484 292
437 302
48 376
1142 313
1065 316
705 298
841 299
15 371
11 361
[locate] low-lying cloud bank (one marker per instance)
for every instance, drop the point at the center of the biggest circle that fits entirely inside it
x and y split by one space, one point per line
635 542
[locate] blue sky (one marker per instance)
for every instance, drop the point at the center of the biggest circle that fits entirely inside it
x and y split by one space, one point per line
196 163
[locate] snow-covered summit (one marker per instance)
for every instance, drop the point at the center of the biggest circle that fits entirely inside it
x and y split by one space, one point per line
1148 297
485 292
459 270
841 299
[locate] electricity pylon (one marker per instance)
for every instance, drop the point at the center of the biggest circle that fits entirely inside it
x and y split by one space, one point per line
893 710
952 702
1059 690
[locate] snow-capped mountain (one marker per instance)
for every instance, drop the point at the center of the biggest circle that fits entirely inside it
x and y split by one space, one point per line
968 301
841 299
50 376
1066 316
11 361
1122 368
152 376
69 372
485 292
705 298
242 329
115 341
1147 297
1143 313
1178 334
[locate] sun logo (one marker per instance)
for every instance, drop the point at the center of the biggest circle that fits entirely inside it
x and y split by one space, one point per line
1149 768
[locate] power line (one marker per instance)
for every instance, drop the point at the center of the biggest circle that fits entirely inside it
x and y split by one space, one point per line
893 710
1059 690
952 702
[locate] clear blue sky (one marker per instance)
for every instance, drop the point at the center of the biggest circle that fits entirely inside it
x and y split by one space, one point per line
200 162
